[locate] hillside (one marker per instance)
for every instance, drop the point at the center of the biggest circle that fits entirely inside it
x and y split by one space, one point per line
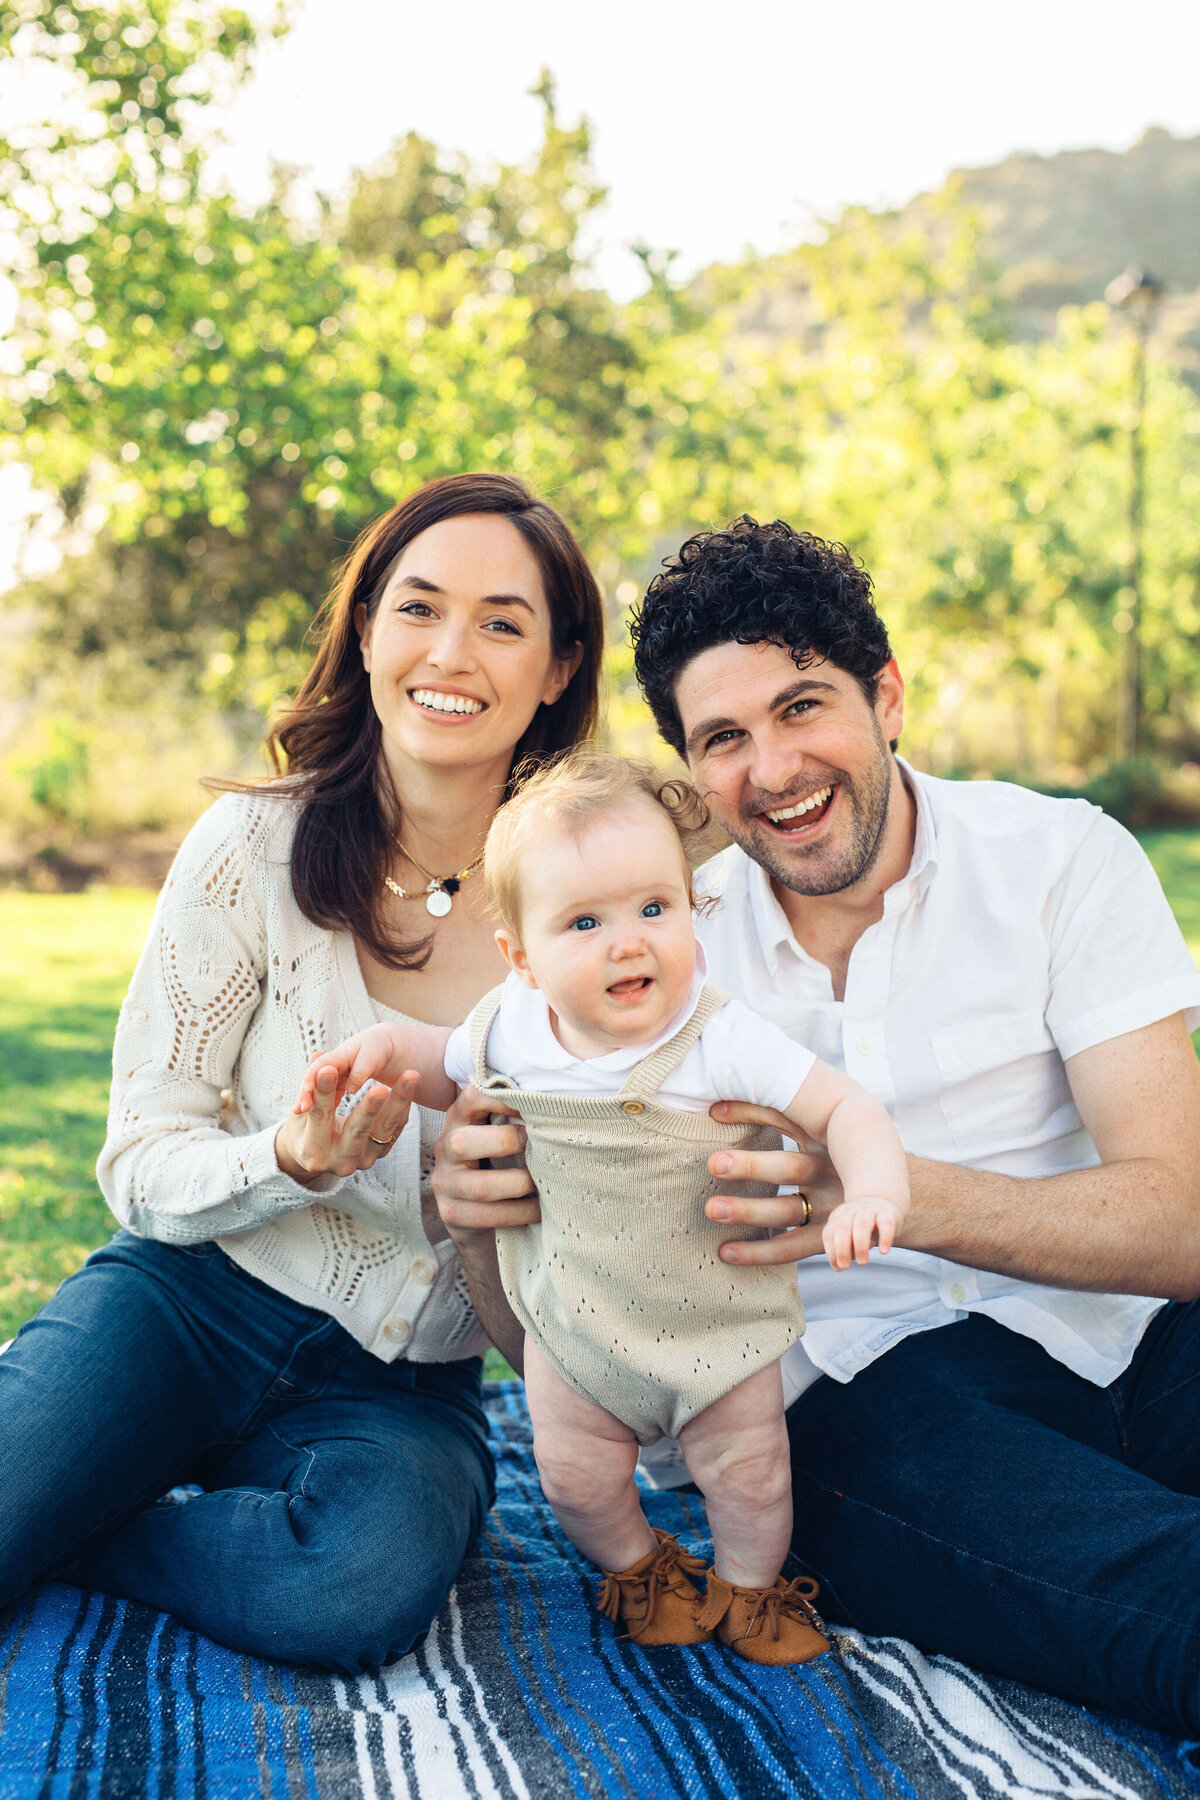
1062 226
1059 228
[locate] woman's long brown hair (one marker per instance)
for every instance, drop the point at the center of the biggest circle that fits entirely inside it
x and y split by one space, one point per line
325 747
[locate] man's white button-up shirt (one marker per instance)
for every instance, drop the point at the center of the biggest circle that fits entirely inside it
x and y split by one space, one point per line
1026 930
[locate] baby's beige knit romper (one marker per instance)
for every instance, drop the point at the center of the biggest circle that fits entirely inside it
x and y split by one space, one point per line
619 1284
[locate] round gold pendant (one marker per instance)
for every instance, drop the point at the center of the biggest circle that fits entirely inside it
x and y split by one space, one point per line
438 903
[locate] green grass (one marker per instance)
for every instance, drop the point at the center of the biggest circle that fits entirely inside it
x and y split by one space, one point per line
65 961
1176 856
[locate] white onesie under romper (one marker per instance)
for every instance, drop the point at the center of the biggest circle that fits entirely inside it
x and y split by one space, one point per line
619 1283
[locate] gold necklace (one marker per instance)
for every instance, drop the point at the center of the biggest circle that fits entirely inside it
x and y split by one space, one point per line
439 895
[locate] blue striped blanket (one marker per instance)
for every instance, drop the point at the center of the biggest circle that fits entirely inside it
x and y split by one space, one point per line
521 1692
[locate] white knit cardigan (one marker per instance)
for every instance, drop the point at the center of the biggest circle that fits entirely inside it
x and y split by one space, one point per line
234 991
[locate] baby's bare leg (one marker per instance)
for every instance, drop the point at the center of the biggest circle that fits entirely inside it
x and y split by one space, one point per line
737 1454
586 1460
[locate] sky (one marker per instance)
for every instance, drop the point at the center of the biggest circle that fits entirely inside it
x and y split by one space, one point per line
719 127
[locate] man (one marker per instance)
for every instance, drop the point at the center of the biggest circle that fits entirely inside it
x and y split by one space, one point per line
996 1429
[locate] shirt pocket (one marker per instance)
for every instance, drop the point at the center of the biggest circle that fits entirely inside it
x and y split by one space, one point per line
993 1077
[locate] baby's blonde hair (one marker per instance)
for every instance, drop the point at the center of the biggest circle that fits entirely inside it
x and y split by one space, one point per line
571 791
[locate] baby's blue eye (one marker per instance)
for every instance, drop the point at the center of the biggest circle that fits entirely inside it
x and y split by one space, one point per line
586 923
652 909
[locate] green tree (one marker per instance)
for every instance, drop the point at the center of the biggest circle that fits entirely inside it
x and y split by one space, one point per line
122 85
232 397
218 398
509 240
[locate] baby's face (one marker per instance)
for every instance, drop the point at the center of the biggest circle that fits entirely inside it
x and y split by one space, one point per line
606 929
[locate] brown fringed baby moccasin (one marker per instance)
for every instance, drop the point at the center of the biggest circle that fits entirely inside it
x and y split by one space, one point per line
776 1625
655 1598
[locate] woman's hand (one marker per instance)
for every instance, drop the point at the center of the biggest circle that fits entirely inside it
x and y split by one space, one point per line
367 1056
318 1142
472 1198
809 1170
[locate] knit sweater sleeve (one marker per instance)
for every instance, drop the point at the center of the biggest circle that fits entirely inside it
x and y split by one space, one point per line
170 1168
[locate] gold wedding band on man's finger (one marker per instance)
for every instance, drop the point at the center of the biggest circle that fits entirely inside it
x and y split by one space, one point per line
806 1216
386 1143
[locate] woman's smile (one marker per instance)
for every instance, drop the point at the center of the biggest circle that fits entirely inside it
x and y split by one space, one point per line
447 703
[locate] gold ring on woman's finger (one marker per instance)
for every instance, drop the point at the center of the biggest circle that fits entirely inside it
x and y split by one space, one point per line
384 1144
806 1216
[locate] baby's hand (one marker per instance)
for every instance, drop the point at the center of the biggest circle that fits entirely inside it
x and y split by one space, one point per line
370 1056
855 1225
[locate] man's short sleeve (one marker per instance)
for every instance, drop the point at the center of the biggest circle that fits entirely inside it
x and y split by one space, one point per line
1118 960
748 1058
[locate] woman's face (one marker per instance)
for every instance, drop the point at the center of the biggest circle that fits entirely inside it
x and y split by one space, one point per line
459 650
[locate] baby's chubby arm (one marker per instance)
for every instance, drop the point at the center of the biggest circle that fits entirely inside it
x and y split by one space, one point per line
387 1054
865 1149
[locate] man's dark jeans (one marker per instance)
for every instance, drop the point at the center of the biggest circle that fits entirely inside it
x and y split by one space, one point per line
969 1493
344 1491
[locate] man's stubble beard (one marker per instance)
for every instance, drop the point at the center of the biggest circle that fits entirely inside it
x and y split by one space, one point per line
868 797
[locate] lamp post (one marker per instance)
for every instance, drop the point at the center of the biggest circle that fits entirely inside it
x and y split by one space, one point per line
1137 294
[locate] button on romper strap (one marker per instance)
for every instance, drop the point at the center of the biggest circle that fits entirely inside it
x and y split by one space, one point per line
646 1077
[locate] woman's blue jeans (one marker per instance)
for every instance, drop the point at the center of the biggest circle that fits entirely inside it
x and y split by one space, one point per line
971 1494
341 1492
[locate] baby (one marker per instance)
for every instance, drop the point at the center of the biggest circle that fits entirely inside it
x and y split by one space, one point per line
611 1046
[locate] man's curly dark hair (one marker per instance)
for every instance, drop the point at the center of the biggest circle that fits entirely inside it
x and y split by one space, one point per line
755 584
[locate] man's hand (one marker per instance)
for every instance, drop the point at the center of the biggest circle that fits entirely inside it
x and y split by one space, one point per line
475 1202
809 1170
1130 1225
471 1197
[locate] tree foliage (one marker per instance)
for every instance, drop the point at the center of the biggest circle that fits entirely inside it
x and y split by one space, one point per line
219 397
124 87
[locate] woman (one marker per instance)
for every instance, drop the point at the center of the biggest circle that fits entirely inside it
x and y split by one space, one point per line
284 1322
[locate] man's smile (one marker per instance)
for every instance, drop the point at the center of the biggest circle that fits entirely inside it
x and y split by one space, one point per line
801 819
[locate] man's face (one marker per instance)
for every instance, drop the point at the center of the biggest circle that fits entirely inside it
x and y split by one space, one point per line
794 762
